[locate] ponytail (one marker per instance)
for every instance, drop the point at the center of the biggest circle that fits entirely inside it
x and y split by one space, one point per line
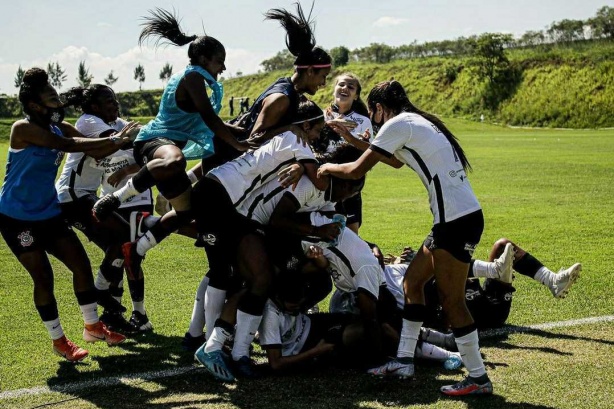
392 95
164 27
83 97
300 39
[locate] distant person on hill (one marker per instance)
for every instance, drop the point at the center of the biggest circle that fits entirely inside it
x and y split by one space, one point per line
347 106
423 142
81 177
186 114
31 220
241 106
245 105
231 106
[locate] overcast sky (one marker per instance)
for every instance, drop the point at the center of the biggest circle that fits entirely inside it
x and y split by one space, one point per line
104 33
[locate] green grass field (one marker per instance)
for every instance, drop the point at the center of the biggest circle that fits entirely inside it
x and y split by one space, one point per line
550 191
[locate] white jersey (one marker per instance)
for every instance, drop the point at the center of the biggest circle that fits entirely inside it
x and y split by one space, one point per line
283 330
260 204
113 163
83 175
424 148
363 124
253 169
394 274
352 263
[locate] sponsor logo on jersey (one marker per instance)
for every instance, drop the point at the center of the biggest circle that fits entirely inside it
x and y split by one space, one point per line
210 239
25 238
470 248
471 294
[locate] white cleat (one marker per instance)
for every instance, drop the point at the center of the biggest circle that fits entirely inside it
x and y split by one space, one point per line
503 265
394 369
564 279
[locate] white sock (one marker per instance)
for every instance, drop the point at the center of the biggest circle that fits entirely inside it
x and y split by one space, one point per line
139 306
544 276
54 328
485 269
247 325
126 192
217 339
409 338
101 282
430 351
145 243
469 348
90 313
197 322
150 221
213 304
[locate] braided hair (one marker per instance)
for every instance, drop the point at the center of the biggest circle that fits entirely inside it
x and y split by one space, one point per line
392 95
164 27
300 40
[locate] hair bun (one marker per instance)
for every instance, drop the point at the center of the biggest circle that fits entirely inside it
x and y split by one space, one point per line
35 77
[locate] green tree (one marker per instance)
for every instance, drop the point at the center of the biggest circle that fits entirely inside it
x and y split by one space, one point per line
84 78
139 75
532 38
340 56
283 60
57 75
566 31
166 72
19 77
493 67
602 25
375 52
110 79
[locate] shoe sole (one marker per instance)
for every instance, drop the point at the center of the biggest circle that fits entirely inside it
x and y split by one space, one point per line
573 277
128 259
480 390
74 361
212 371
508 252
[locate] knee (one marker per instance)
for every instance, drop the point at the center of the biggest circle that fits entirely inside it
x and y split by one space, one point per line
174 163
500 244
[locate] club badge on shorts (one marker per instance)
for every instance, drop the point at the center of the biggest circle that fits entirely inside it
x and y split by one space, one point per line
25 238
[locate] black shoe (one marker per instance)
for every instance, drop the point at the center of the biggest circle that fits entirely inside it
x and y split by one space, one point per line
115 321
246 368
108 302
105 206
190 343
140 321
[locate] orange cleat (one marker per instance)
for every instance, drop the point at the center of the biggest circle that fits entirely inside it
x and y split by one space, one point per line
99 332
68 350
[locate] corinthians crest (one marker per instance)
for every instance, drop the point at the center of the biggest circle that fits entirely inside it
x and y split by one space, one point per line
25 238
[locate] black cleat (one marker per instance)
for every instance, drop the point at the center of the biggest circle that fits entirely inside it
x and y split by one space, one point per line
105 206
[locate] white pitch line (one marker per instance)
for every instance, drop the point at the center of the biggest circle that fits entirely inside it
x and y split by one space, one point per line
130 379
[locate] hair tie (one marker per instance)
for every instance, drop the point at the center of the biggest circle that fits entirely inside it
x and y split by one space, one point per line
314 66
308 120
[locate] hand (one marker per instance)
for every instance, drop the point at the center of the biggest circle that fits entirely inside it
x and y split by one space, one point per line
328 232
325 169
314 252
290 175
244 146
365 136
340 129
130 131
348 124
324 347
378 255
116 177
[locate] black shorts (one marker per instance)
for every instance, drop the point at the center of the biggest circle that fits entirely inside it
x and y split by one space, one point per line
144 150
326 326
125 212
23 236
459 237
352 208
220 227
78 214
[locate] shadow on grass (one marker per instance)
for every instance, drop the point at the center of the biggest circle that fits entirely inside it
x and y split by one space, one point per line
319 387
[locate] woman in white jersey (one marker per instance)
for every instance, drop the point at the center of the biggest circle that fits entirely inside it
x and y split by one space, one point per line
348 107
231 240
77 189
422 141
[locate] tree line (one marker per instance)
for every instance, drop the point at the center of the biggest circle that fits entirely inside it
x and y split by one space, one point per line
566 31
57 75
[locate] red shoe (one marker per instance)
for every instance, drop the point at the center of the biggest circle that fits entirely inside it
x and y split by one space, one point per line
68 350
99 332
132 260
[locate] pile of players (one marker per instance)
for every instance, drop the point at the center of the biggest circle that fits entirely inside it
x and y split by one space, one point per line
275 202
